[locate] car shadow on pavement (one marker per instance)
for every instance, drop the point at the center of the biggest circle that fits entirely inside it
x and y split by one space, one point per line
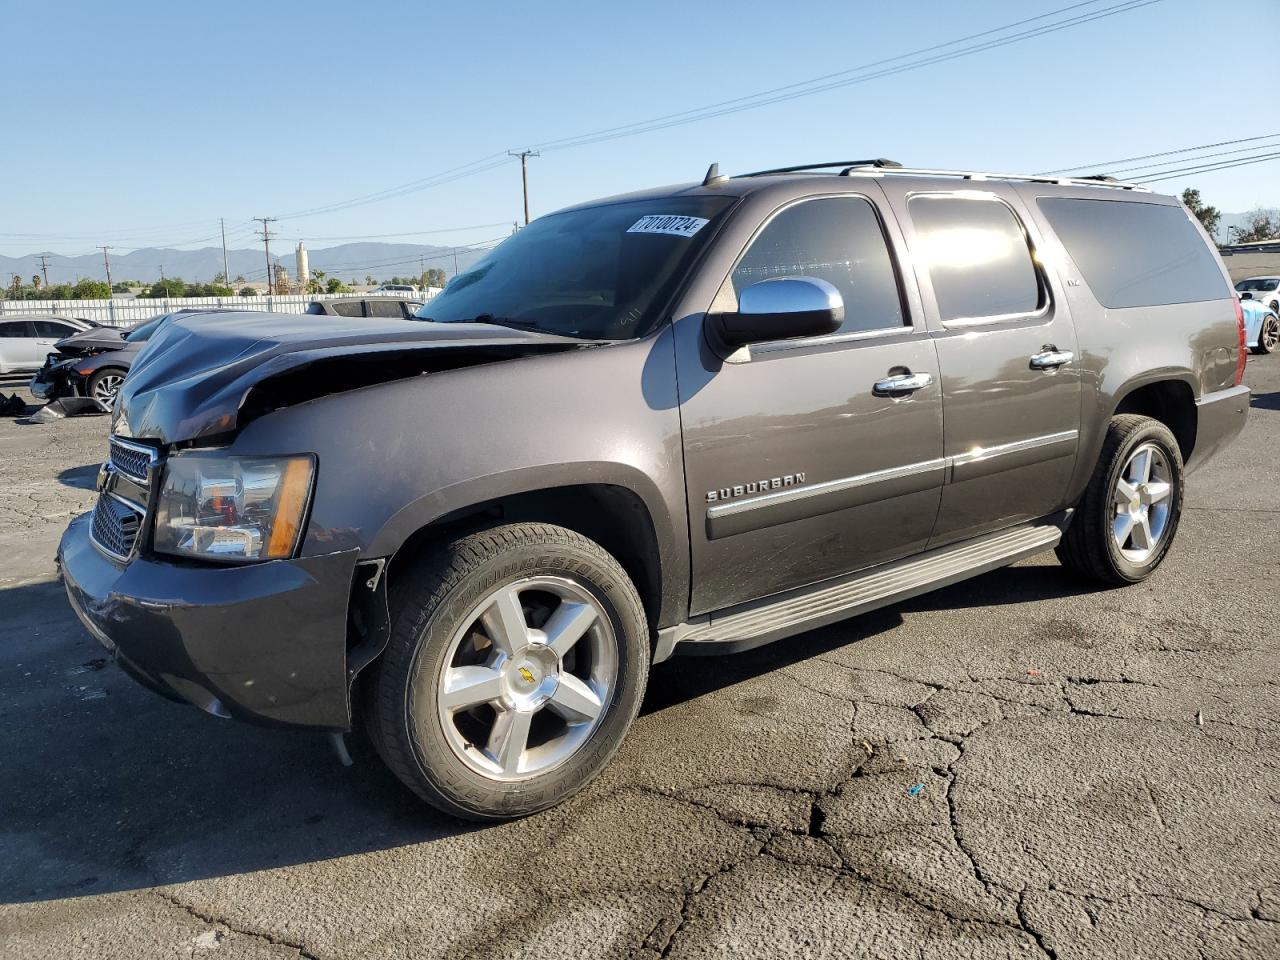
109 787
1266 401
687 677
82 478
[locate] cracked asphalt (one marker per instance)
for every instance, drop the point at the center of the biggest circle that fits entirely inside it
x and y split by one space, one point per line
1016 766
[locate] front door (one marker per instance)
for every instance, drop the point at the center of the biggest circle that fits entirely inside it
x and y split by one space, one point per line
798 467
1008 355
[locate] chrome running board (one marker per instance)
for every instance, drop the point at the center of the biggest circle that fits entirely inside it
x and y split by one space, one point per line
763 621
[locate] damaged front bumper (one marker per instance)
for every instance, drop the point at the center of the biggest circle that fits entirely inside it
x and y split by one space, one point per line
266 642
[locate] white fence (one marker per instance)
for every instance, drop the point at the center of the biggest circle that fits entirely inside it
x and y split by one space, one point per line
116 313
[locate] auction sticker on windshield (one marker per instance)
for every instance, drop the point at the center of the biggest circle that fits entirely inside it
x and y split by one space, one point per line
670 224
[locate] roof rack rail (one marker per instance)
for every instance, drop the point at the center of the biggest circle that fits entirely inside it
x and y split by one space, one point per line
880 163
1096 180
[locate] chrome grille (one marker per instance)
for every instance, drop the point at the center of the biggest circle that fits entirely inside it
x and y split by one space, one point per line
131 459
116 525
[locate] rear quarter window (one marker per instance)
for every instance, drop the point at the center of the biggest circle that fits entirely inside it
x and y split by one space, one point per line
1134 254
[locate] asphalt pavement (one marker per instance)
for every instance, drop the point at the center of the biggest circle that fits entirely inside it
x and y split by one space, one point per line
1016 766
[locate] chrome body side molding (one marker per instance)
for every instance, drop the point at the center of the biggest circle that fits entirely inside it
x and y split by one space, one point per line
726 518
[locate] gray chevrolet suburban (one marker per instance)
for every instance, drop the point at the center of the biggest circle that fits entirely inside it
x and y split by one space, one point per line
688 420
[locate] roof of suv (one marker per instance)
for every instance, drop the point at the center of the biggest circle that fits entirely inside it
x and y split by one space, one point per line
716 184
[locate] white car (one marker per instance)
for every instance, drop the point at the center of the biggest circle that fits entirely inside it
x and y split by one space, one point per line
1266 290
397 288
25 341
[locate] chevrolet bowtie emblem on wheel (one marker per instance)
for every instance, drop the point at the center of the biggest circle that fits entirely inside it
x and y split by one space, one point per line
526 675
755 486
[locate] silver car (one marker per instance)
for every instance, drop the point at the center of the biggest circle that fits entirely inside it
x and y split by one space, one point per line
26 340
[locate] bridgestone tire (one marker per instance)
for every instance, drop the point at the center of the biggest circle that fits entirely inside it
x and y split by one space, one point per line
429 601
1089 548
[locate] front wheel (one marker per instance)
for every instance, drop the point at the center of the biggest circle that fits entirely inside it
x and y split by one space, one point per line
517 662
104 386
1127 519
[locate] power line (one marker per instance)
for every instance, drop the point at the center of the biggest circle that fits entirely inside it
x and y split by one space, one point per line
764 98
1152 156
1196 159
1213 167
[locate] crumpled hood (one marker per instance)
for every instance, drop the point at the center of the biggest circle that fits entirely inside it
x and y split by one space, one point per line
192 378
93 340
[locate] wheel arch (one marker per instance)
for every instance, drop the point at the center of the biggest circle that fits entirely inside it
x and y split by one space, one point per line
1172 401
616 515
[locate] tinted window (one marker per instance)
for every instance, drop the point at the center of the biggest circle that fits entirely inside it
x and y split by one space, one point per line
349 308
604 272
385 308
47 328
14 329
1136 254
837 239
977 257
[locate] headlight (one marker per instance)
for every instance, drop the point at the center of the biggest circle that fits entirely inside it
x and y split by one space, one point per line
233 508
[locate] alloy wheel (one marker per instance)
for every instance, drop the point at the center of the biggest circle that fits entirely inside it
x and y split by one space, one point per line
527 678
1142 497
1269 337
106 390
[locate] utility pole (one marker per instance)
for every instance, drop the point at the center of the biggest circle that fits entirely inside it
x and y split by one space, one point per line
107 263
524 156
44 268
455 261
266 241
226 271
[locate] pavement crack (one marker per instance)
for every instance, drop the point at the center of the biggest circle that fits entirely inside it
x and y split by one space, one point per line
212 920
1021 912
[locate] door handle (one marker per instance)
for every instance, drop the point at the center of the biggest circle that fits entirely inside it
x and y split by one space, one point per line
1051 359
901 383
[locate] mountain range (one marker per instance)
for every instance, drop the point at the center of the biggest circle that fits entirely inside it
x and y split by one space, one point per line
347 261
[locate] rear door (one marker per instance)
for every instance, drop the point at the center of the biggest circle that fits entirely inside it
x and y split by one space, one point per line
49 332
1008 357
798 470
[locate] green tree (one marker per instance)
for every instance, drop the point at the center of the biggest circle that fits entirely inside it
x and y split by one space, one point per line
434 277
168 287
1263 224
368 280
316 283
336 286
91 290
248 292
1208 216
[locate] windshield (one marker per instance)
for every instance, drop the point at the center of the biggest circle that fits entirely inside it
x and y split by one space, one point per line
601 273
143 333
1265 286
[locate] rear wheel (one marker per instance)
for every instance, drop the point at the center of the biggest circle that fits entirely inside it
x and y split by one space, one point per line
104 386
517 663
1269 335
1129 515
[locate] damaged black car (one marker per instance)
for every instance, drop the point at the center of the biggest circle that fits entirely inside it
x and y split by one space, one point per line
93 363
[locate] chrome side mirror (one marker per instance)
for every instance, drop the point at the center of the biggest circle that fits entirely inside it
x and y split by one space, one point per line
782 308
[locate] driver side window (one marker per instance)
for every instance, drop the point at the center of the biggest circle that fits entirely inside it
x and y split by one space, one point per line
837 239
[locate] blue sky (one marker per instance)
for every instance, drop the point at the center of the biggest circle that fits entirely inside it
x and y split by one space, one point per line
146 122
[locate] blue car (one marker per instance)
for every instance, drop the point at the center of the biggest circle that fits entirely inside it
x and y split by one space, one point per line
1261 327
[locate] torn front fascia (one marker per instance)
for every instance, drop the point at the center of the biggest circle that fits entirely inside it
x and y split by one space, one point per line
368 618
